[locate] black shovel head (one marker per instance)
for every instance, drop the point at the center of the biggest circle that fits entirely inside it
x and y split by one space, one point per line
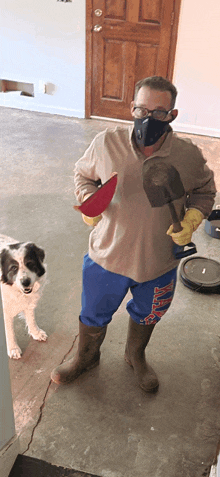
162 183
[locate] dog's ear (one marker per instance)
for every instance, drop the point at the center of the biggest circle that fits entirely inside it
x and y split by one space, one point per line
39 251
4 255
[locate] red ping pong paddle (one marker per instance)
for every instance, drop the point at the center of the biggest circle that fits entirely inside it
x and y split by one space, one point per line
99 201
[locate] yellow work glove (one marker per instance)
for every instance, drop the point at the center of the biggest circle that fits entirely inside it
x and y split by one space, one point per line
190 223
90 220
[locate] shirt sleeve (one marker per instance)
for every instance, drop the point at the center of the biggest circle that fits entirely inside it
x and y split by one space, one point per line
202 196
86 179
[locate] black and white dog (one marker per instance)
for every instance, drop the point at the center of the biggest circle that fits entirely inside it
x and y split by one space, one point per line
23 276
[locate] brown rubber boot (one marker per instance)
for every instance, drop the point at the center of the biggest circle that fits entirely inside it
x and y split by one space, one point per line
137 340
87 356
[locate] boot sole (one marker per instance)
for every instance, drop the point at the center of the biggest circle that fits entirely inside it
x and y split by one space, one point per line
70 380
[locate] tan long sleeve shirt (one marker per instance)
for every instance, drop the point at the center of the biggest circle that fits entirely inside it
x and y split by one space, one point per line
131 238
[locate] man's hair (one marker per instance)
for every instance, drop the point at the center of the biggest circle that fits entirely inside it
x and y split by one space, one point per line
157 83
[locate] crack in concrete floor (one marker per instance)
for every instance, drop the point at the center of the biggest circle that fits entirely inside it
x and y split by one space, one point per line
44 401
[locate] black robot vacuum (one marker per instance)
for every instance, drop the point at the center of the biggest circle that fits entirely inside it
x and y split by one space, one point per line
201 274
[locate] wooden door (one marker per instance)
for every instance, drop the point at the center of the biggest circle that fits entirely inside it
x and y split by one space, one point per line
127 40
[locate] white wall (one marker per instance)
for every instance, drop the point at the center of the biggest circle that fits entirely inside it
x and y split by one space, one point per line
44 41
197 68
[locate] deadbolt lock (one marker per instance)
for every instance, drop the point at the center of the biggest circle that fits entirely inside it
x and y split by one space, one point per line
98 12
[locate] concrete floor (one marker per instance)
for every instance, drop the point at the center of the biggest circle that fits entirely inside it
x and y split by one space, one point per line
103 423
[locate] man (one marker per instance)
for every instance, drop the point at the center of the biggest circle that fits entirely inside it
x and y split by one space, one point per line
131 246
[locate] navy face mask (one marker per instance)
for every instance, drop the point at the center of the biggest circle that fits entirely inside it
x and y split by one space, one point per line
149 130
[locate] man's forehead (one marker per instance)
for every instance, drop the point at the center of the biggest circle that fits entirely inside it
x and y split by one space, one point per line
147 95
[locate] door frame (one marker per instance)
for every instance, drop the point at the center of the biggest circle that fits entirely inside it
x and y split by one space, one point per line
89 59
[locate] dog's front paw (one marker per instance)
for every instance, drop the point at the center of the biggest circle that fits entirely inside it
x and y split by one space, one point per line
15 353
39 335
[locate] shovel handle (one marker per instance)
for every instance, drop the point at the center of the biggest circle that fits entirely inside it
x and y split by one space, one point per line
177 227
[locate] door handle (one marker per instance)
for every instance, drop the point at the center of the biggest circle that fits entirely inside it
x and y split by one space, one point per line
97 28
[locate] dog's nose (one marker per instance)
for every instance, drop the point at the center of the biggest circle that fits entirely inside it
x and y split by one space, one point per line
26 282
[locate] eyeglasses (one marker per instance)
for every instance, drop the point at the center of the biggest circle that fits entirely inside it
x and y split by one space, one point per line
141 113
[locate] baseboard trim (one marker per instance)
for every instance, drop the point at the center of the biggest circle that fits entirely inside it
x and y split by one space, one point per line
30 104
103 118
198 130
177 127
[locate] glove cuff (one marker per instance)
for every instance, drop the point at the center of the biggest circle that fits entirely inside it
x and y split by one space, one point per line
91 220
193 217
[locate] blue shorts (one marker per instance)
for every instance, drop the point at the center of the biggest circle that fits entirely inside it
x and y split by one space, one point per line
103 292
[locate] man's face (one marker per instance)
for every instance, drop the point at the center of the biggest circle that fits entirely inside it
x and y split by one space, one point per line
153 99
